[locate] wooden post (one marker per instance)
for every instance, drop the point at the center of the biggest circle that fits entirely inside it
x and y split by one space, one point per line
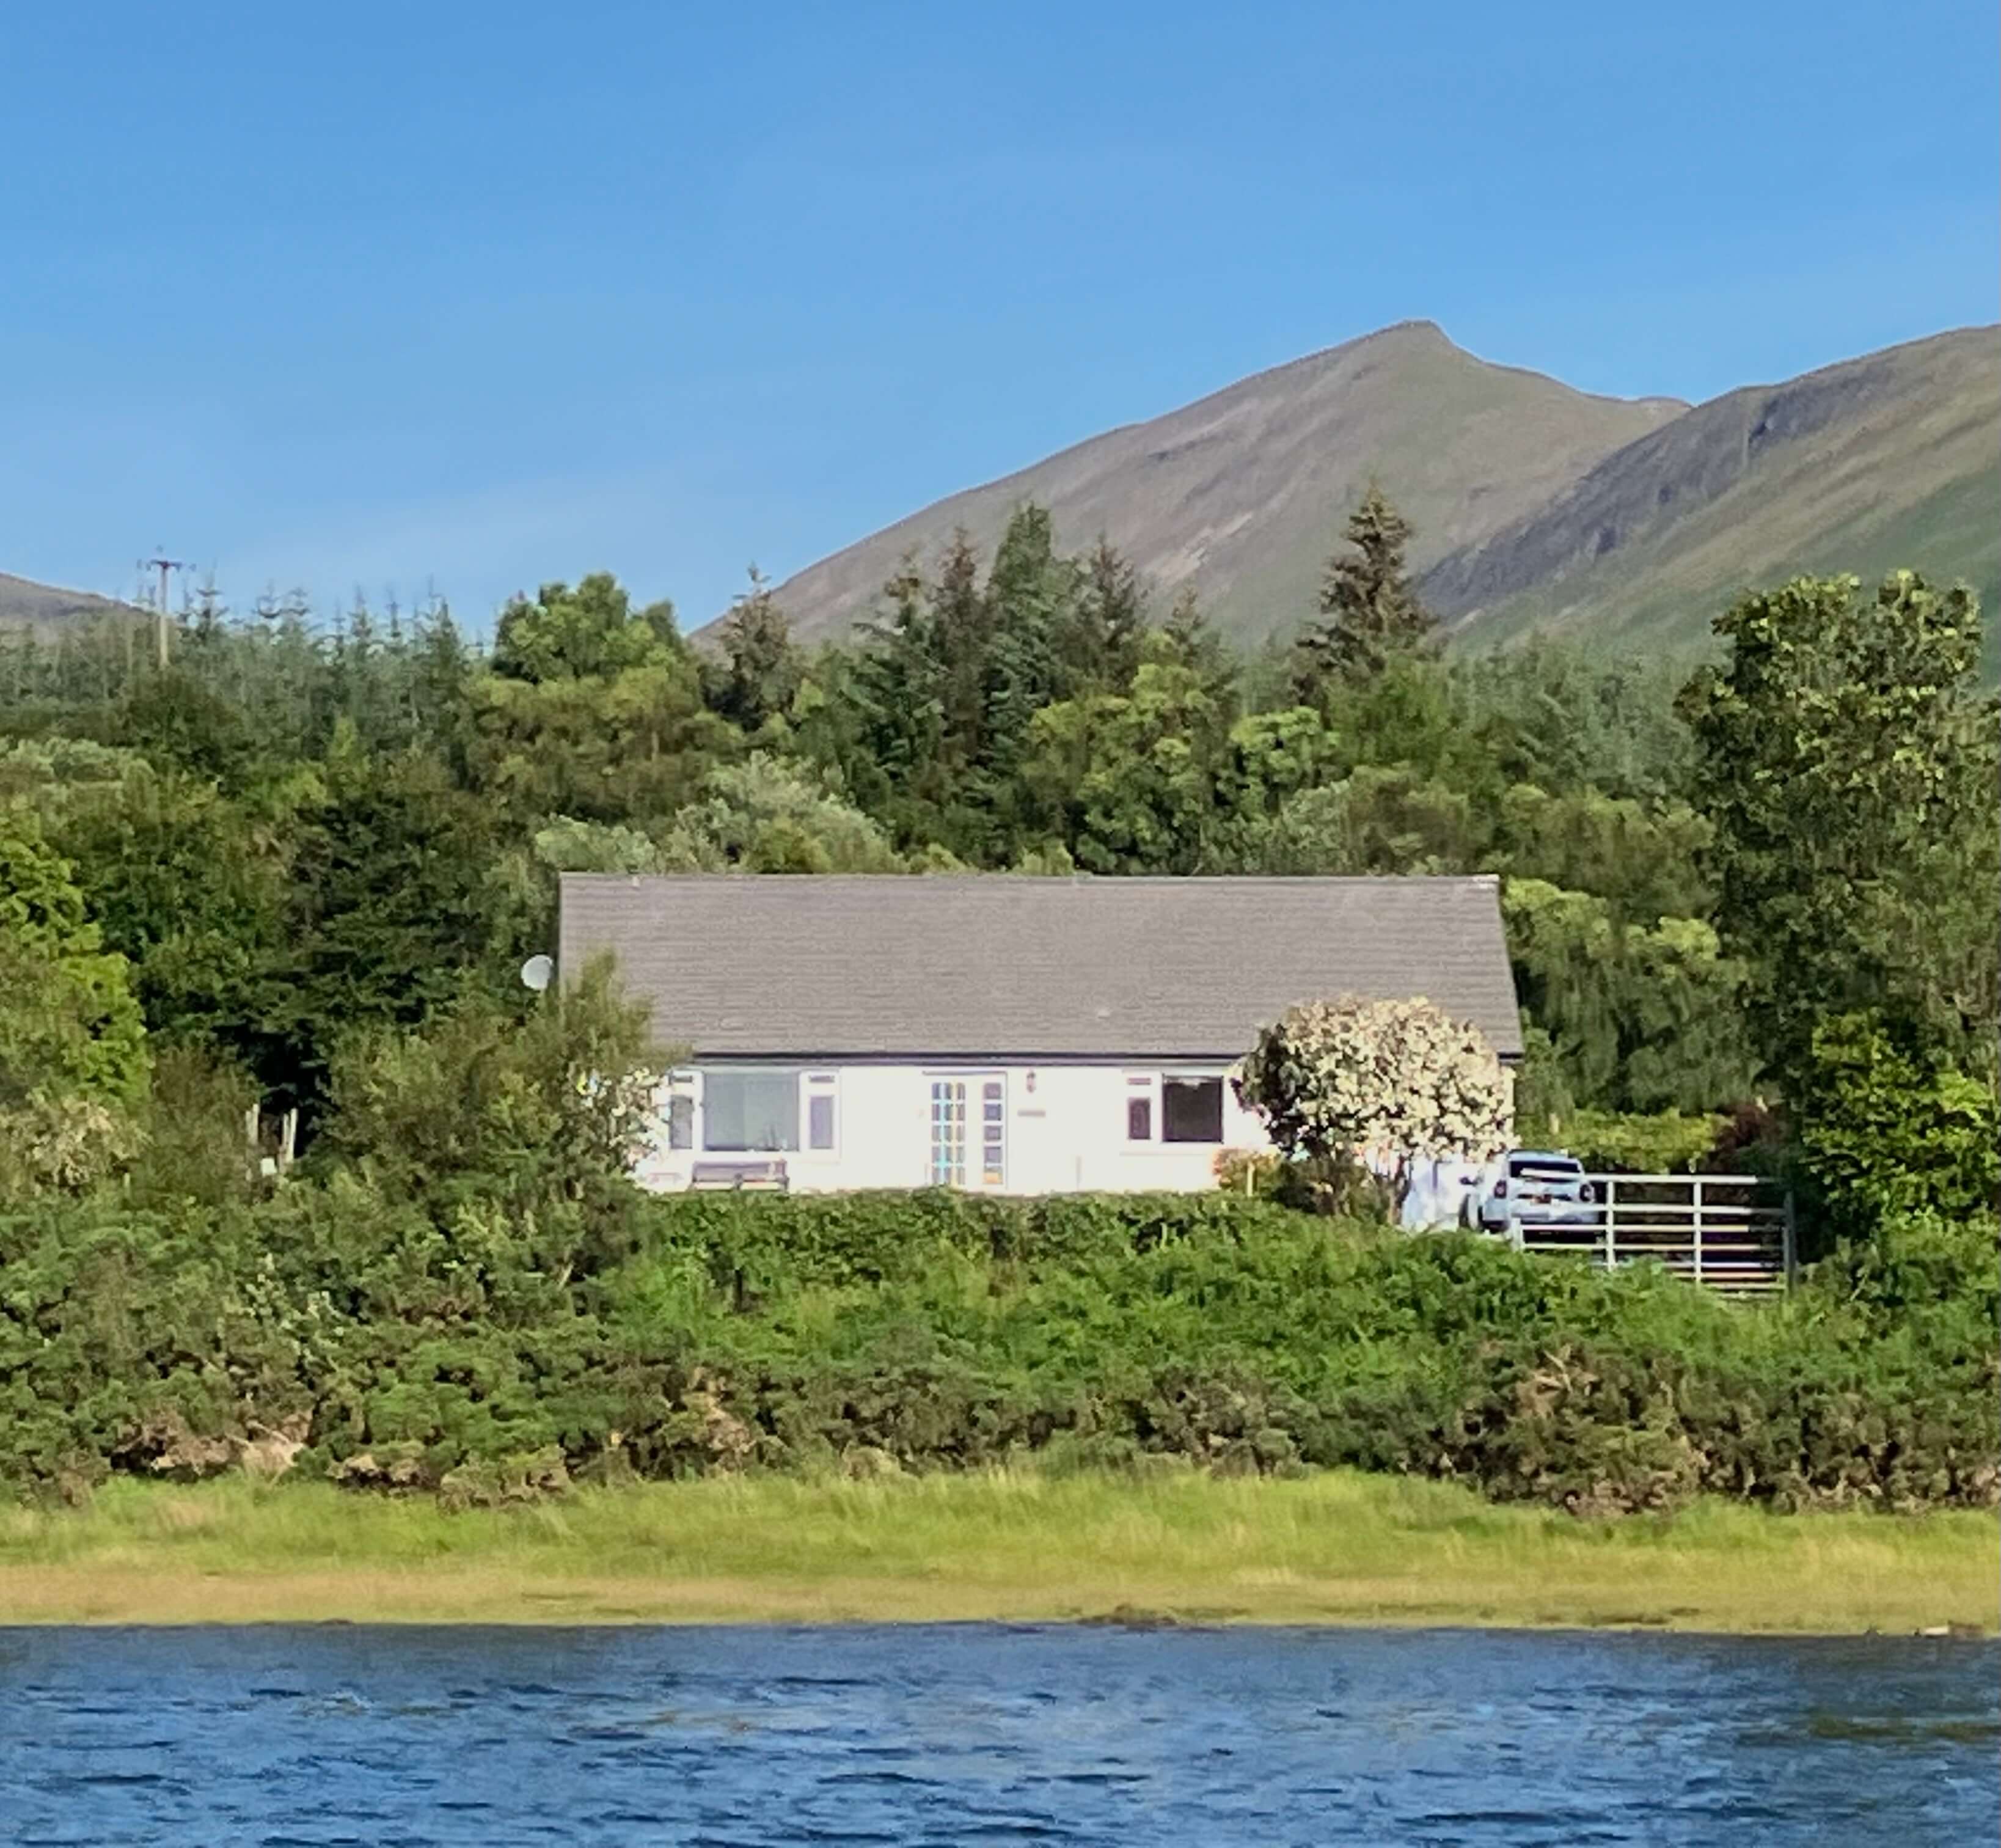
288 1141
1611 1223
1695 1204
1789 1248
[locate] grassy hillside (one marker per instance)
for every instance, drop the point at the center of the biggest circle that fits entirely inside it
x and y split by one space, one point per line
1536 507
1885 461
45 607
1242 495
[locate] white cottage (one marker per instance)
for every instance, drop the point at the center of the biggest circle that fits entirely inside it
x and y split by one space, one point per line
1000 1033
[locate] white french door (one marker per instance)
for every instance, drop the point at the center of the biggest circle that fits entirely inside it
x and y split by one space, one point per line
968 1132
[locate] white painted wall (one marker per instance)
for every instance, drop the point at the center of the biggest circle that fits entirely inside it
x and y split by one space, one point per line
1065 1130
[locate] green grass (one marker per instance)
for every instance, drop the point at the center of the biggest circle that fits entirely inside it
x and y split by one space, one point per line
1337 1548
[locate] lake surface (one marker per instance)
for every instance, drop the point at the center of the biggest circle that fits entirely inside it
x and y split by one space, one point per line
976 1734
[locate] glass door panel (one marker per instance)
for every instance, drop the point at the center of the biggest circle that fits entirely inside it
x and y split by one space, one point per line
947 1162
993 1132
968 1132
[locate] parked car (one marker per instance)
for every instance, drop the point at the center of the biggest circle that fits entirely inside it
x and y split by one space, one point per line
1537 1187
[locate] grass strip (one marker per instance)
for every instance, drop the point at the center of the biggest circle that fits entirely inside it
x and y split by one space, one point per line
1337 1548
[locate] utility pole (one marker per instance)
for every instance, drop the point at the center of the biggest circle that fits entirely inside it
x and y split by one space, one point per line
163 566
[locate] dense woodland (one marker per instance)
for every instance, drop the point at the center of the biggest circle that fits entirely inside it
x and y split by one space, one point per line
1753 915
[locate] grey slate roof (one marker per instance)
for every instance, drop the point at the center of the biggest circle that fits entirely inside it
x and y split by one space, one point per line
993 966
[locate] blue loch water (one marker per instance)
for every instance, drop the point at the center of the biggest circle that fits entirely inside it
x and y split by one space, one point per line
310 1736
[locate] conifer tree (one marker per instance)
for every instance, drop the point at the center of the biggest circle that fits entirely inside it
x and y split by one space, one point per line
1098 644
761 669
1370 616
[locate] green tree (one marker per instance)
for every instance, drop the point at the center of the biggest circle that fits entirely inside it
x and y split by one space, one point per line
1643 860
1132 783
1566 718
1098 641
761 670
515 1136
73 1057
590 632
1885 1132
1636 1018
763 816
633 745
1369 615
1847 761
398 906
1385 819
191 886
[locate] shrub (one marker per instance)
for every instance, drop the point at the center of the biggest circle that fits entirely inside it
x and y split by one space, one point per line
1884 1131
1608 1142
1351 1082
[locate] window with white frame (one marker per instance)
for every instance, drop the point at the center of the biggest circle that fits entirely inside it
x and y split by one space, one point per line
1174 1107
750 1112
1139 1108
680 1110
821 1122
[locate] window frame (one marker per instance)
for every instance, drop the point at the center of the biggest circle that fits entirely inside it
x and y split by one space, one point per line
819 1088
681 1120
1148 1090
1222 1104
705 1147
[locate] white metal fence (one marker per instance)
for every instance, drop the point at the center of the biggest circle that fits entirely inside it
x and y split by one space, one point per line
1732 1232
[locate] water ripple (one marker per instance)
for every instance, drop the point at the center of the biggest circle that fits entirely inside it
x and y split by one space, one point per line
314 1737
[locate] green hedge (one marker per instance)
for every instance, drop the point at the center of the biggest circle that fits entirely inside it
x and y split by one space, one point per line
404 1348
757 1242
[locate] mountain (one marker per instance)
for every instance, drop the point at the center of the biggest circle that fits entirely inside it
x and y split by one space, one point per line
1885 460
1243 494
43 608
1535 506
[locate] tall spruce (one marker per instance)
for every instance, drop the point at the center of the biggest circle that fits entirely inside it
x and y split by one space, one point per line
1098 644
1370 617
761 669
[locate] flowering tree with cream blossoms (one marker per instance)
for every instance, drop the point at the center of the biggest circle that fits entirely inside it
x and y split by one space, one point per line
1348 1085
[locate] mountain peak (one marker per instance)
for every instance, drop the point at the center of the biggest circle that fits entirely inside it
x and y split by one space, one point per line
1241 494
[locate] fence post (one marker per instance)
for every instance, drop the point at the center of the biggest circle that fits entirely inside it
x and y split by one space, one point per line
1611 1218
1791 1249
1695 1204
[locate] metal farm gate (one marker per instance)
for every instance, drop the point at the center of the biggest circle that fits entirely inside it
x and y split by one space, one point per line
1732 1232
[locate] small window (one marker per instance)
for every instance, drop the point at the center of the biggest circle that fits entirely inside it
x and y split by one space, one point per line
1192 1110
820 1120
681 1121
1139 1116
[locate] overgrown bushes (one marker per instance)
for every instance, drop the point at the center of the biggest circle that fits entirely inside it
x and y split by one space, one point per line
938 1331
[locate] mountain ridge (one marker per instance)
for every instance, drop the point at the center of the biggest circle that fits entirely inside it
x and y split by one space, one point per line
1278 450
41 608
1754 485
1242 492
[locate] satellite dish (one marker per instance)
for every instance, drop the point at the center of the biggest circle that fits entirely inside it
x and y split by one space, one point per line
537 972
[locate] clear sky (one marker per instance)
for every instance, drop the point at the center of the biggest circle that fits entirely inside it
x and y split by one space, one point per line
375 296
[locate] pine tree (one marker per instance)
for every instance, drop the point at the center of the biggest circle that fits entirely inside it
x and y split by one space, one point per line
1369 614
1098 645
761 669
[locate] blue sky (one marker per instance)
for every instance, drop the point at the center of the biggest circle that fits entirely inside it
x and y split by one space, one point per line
372 296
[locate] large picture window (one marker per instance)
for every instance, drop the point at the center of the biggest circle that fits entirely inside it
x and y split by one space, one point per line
745 1112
